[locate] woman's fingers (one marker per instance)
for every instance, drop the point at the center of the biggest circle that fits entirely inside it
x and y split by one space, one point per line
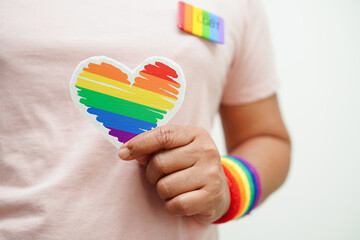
179 182
185 165
189 203
166 162
165 137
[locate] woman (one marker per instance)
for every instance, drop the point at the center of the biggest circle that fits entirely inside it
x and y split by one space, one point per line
60 179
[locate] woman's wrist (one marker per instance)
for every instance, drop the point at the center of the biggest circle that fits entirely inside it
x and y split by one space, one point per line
244 185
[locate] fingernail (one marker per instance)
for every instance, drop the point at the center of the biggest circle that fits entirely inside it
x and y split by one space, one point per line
124 153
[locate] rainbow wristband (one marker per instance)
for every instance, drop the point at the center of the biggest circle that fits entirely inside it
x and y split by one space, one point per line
245 187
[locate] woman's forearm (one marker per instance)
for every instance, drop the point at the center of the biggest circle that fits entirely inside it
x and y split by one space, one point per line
257 133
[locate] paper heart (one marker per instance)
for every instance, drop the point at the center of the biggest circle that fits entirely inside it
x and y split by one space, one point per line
123 103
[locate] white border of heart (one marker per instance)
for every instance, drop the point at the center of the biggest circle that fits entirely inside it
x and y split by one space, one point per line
131 77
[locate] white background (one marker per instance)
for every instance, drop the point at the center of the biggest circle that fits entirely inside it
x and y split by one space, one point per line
317 49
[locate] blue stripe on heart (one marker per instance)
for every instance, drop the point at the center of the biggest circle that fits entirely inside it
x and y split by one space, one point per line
121 122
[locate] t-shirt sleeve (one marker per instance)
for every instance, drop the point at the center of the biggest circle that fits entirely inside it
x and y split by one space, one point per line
252 75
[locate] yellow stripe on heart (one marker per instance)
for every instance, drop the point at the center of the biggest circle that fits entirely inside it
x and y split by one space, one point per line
121 90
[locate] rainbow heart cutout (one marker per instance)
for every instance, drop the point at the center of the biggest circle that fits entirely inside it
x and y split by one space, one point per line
123 103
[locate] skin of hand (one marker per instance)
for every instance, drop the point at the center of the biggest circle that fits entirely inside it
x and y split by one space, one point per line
184 164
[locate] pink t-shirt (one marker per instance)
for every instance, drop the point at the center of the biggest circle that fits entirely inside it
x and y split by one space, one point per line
59 177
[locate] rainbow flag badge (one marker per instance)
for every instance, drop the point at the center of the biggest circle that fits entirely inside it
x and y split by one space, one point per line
201 23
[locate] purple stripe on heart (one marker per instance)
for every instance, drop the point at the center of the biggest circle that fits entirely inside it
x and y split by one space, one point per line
121 135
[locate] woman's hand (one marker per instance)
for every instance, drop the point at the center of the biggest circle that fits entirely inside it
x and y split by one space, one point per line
185 166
